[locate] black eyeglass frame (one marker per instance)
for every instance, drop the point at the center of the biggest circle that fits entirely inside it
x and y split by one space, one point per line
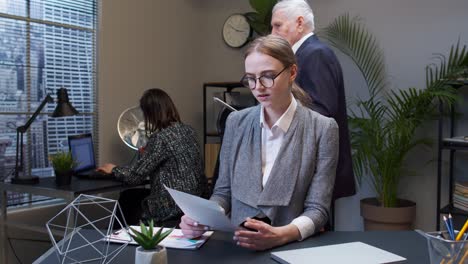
245 80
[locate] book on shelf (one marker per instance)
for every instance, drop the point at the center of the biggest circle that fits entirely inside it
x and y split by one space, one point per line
460 195
461 198
460 203
462 187
460 206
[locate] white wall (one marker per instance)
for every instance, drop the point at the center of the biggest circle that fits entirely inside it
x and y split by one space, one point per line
409 32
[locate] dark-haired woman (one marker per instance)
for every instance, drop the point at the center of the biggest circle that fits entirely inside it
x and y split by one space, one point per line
171 157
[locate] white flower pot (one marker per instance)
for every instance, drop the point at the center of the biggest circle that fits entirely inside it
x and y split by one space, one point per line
155 256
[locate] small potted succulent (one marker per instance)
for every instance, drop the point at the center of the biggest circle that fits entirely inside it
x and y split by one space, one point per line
63 164
149 251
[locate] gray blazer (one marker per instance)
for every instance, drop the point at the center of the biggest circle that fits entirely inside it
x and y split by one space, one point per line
301 180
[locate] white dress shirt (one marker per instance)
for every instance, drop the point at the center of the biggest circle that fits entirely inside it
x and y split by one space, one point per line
272 139
298 44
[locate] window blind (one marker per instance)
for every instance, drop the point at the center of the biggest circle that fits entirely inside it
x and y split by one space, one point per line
45 45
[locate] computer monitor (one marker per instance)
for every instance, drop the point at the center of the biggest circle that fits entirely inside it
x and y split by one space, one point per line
82 150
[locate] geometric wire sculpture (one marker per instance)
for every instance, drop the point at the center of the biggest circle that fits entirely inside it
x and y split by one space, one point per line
79 232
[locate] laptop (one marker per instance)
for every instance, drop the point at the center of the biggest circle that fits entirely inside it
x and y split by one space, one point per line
82 151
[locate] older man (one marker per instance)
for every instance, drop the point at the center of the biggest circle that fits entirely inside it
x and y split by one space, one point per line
320 76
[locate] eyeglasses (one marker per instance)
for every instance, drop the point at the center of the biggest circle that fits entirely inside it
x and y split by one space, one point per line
265 80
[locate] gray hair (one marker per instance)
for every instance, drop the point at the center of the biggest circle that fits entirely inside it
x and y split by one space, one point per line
296 8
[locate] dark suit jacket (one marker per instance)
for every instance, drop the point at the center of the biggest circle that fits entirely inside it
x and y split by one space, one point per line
321 77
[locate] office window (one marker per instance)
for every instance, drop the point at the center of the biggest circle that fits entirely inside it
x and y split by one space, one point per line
45 45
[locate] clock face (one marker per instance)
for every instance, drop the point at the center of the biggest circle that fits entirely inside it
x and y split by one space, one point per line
236 31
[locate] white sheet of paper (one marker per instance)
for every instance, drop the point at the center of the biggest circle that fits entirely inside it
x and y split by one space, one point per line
354 252
204 211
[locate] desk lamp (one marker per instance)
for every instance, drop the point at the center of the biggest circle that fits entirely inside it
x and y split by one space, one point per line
64 108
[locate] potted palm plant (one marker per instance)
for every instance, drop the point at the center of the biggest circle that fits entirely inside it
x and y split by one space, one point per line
149 250
63 164
384 124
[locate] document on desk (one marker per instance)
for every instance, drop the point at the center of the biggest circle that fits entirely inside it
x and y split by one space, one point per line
204 211
175 240
355 252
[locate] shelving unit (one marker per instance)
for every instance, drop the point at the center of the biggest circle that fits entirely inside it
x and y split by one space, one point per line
212 139
453 145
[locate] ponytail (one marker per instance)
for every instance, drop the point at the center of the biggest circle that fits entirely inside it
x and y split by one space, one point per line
301 95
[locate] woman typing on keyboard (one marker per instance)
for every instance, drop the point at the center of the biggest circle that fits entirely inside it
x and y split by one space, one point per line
171 157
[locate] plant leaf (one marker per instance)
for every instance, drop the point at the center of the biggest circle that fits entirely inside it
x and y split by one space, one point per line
151 226
263 7
260 21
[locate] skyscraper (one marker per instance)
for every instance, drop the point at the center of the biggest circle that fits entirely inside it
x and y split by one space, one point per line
68 61
49 46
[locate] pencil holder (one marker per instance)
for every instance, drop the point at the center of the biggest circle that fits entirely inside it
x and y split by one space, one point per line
445 251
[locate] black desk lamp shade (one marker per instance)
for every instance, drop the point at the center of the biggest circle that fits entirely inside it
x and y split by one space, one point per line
64 108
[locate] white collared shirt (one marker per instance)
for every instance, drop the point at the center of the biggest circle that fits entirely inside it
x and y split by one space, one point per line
272 139
298 44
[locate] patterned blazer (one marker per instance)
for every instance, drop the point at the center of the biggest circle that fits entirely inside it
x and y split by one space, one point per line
171 157
302 177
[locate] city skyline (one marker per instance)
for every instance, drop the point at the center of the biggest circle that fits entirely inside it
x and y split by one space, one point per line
59 53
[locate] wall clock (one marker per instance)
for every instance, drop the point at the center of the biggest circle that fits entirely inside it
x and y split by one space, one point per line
236 31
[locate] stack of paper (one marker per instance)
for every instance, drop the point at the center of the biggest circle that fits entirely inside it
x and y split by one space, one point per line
355 252
174 240
460 196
